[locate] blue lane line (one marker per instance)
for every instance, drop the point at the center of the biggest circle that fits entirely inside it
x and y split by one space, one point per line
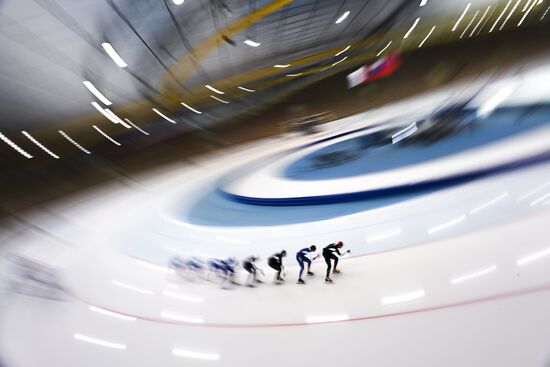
395 190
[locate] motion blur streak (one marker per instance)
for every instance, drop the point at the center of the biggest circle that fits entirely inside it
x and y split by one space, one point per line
17 148
40 145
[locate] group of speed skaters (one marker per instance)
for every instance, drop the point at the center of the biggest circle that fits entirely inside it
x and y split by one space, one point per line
225 268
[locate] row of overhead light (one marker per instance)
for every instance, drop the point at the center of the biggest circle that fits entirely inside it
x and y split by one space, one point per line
111 116
121 63
527 9
107 113
284 66
529 5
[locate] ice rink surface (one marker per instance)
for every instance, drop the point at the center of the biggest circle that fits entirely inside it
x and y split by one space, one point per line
453 276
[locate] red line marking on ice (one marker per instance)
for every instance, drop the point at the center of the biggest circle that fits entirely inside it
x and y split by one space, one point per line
504 295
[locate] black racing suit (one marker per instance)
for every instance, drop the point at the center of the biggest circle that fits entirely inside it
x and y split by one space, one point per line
276 262
329 253
250 267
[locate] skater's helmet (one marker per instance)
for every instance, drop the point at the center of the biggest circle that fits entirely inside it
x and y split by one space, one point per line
283 253
313 248
340 244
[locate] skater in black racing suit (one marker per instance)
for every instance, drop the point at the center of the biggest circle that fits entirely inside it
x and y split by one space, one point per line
329 253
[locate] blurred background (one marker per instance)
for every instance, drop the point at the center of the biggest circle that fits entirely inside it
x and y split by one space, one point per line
171 52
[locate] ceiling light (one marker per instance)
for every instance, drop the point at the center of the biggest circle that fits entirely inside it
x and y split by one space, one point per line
426 38
96 93
38 144
344 50
510 14
113 54
19 150
247 89
164 116
412 28
117 119
281 66
111 117
342 18
384 49
252 43
527 13
481 20
106 136
191 108
339 61
461 17
298 74
219 99
469 24
500 16
214 89
178 2
73 142
136 127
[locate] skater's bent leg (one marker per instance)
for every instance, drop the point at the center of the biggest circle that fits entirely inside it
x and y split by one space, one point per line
301 263
335 262
308 261
327 260
278 269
